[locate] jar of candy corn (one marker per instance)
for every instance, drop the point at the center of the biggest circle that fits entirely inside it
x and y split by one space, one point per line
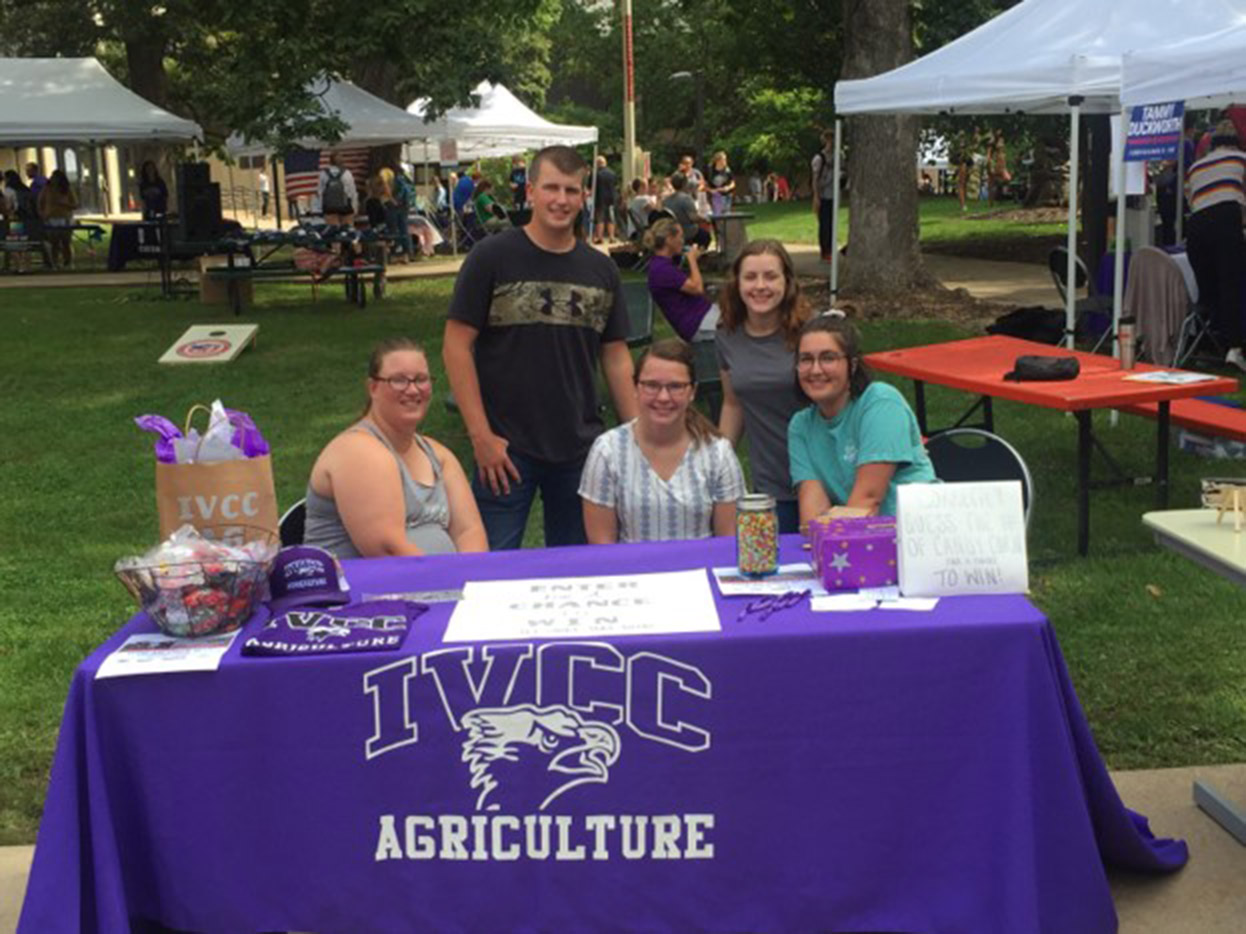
757 535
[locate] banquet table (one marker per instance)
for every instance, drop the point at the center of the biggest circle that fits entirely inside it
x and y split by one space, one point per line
978 365
864 771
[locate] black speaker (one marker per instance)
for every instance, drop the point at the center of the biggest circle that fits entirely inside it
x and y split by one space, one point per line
200 211
192 175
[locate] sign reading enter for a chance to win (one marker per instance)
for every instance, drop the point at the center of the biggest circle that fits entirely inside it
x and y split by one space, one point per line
1154 131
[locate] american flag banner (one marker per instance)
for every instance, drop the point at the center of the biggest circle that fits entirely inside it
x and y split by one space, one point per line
302 168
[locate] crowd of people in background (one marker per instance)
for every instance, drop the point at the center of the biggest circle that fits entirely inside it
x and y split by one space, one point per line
37 206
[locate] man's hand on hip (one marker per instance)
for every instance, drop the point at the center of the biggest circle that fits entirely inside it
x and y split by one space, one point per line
494 464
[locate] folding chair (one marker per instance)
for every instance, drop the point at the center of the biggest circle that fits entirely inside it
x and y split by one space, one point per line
1093 303
639 313
962 455
291 525
708 377
1196 330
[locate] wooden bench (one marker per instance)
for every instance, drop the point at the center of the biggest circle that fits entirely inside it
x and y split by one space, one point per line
356 288
1210 418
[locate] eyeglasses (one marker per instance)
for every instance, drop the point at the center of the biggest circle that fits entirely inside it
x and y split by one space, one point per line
825 360
651 387
400 383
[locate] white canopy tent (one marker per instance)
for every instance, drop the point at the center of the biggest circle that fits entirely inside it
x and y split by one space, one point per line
1206 71
369 120
1041 56
501 126
48 100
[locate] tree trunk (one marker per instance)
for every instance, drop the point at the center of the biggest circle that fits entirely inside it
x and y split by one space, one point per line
144 54
883 255
380 77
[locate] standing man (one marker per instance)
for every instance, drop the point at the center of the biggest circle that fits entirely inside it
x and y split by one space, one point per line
265 193
533 310
604 197
37 179
824 194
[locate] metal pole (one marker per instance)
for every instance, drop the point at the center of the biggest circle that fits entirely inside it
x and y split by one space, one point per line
1181 184
1118 271
1070 289
835 170
629 100
592 208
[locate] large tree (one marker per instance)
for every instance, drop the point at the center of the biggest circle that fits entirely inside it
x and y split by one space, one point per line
884 254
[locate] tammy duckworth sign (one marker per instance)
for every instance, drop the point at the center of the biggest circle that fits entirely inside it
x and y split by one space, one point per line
562 751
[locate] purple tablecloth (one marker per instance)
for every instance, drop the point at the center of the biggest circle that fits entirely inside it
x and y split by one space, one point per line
868 771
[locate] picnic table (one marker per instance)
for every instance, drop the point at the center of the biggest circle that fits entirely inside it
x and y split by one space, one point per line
978 365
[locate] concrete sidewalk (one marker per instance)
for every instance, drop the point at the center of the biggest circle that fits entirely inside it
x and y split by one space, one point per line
1020 284
1208 896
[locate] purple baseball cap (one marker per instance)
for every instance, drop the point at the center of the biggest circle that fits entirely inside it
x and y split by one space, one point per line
305 575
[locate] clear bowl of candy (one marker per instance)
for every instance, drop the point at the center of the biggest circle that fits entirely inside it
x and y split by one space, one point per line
195 585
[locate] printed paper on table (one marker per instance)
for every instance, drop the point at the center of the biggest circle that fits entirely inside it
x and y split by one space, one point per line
580 607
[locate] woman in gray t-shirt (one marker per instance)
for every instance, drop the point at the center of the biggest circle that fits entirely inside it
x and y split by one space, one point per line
379 488
762 314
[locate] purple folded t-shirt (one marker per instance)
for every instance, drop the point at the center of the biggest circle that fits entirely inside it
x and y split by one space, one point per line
682 310
377 626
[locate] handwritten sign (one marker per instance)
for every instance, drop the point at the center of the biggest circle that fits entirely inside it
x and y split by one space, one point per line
961 538
576 607
1155 131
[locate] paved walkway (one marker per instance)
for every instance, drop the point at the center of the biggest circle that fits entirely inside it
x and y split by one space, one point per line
1207 896
1007 283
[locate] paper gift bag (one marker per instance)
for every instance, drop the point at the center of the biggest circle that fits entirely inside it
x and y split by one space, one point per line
223 500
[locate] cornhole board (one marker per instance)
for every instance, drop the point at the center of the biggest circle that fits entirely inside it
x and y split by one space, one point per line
211 343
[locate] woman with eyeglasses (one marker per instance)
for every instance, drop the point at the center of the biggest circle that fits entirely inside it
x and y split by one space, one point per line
859 439
380 488
667 474
762 311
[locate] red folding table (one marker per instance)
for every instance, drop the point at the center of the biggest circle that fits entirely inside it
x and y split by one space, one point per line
978 365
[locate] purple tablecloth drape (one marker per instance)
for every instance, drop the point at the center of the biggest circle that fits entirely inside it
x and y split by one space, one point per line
867 771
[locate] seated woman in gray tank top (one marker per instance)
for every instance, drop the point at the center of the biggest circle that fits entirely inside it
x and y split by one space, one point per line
381 489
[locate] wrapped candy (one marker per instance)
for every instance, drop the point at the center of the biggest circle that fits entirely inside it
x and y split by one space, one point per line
194 586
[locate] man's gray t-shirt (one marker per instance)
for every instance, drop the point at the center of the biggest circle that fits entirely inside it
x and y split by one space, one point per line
763 377
685 211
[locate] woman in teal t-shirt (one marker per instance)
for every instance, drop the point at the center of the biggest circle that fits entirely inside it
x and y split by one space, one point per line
859 440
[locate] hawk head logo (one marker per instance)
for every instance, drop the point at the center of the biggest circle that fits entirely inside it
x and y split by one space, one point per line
328 627
530 755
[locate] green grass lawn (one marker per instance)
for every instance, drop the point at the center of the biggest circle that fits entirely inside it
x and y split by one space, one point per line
1161 672
942 223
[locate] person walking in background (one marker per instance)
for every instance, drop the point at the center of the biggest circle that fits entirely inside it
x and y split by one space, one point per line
823 185
604 197
998 176
265 193
1216 187
534 310
57 204
152 191
519 183
36 179
720 183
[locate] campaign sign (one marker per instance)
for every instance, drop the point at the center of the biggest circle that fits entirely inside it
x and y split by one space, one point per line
1154 131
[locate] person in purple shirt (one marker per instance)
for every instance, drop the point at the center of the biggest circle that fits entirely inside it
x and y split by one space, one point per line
680 295
37 179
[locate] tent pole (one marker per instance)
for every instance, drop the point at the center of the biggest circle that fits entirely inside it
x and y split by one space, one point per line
233 192
1118 271
276 187
835 169
592 208
1181 167
1070 289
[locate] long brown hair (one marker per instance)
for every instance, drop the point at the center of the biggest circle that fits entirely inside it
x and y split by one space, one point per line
676 351
380 351
793 308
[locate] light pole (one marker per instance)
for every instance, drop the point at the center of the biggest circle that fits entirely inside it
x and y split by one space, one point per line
698 79
629 99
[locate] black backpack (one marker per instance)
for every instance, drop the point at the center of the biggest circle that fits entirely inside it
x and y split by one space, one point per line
334 200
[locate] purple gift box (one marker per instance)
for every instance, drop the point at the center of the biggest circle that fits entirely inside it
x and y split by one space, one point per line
848 554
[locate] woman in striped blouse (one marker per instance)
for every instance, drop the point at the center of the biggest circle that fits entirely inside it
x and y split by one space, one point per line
667 474
1216 186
